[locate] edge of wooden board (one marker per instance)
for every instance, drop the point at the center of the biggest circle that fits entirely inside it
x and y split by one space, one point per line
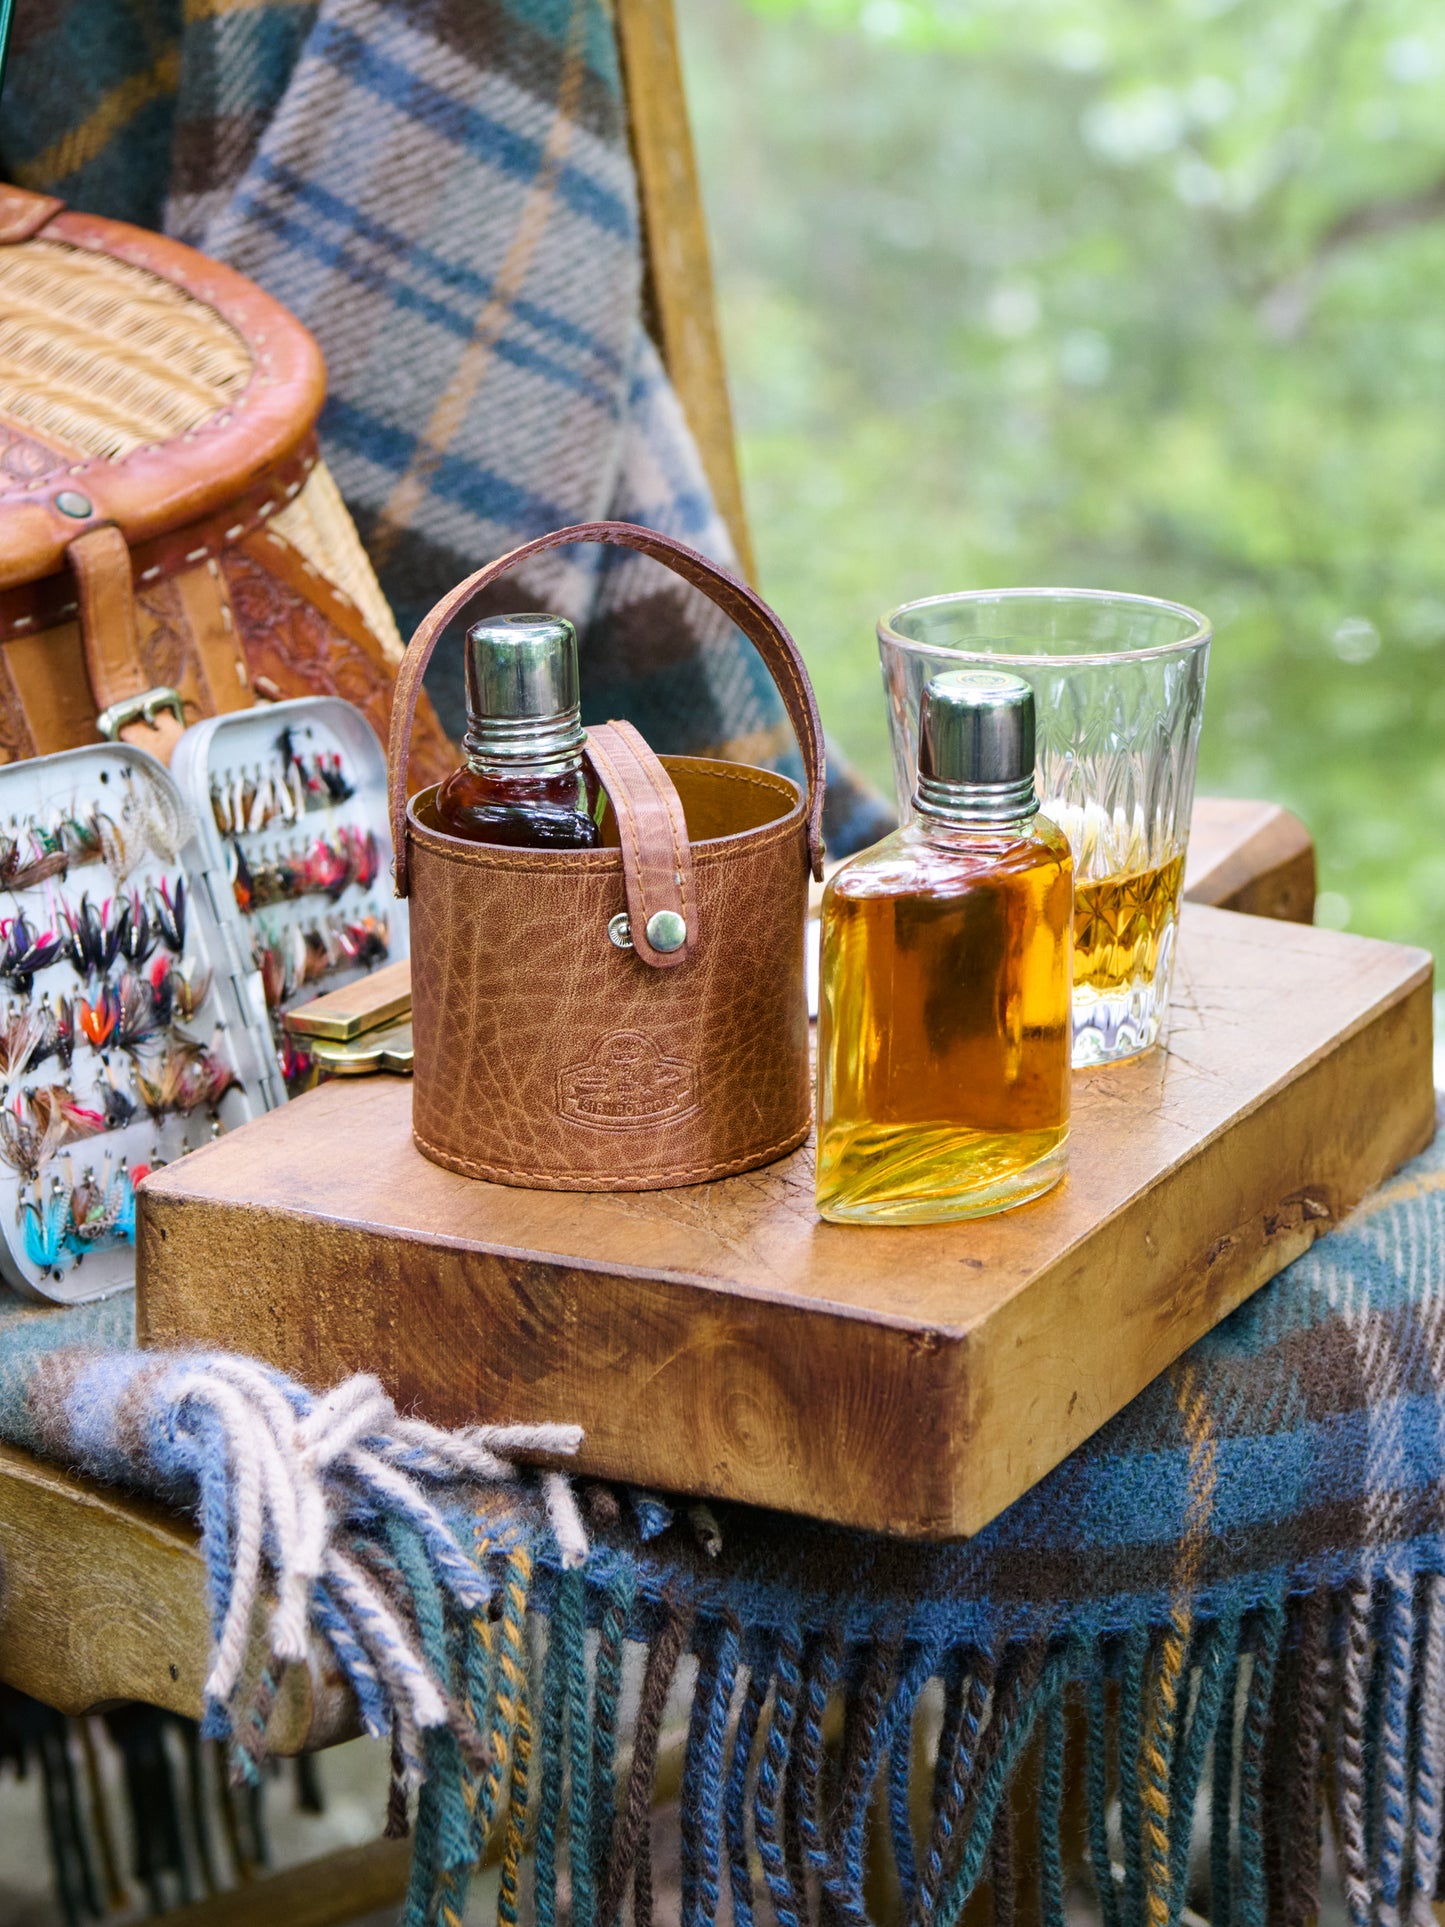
1168 1299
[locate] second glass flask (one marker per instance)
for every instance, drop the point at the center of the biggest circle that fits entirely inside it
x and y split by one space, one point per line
943 1024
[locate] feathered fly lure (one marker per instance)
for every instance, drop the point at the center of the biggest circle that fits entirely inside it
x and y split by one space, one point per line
93 936
168 909
27 952
334 778
119 1108
137 1022
138 934
49 1102
262 808
122 843
25 1145
19 871
60 1030
155 811
122 1185
328 867
272 965
94 1209
161 986
242 883
23 1032
45 1227
190 1077
364 940
187 987
81 838
100 1021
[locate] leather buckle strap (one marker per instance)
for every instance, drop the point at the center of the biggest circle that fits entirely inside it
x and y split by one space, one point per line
135 709
656 854
143 708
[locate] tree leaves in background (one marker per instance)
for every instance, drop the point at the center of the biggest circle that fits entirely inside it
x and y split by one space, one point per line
1132 297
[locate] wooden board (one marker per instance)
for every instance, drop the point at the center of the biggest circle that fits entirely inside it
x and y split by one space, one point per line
1254 857
721 1340
103 1599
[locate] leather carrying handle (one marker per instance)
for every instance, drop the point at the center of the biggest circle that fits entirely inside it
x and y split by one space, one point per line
652 830
736 600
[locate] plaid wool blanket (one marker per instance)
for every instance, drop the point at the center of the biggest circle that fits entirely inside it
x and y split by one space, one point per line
442 191
1224 1616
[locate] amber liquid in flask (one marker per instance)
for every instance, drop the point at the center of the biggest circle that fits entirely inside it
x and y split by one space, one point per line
944 1025
525 780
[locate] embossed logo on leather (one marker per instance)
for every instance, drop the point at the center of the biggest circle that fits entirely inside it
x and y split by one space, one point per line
25 459
626 1083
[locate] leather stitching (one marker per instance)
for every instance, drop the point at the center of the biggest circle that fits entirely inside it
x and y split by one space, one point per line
657 1180
627 818
93 236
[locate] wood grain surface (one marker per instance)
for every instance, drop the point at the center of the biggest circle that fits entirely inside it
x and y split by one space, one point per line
721 1340
103 1599
677 263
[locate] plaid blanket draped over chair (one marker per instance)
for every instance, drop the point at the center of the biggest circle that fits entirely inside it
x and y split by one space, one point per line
442 191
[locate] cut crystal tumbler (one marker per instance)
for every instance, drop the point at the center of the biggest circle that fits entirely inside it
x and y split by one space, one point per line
1118 682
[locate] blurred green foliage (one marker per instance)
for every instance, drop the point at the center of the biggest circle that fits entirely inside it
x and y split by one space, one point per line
1130 296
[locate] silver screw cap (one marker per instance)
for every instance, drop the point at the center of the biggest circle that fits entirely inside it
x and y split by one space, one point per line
522 689
976 746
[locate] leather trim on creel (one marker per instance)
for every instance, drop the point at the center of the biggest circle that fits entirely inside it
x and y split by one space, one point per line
23 213
162 487
30 608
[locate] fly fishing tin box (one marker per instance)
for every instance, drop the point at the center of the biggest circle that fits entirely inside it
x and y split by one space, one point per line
155 929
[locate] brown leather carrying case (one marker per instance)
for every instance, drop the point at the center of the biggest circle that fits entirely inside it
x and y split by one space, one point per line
171 545
544 1054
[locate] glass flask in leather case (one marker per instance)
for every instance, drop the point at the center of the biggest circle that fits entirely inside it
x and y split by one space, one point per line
943 1023
526 781
628 1013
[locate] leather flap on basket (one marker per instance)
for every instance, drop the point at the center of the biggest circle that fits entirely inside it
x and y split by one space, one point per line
656 853
23 213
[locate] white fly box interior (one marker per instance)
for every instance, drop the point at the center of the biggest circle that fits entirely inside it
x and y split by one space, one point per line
125 1040
292 809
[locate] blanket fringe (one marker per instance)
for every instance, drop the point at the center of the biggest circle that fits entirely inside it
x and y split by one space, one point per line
1206 1752
818 1773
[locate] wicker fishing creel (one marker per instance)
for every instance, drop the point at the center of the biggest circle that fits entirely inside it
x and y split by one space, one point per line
171 544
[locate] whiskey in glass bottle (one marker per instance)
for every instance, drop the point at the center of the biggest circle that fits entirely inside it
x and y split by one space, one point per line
525 780
943 1023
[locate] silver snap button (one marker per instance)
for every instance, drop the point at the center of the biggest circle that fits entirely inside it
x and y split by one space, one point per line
71 502
620 931
666 930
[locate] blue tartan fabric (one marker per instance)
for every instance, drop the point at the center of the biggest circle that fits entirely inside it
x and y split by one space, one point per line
442 191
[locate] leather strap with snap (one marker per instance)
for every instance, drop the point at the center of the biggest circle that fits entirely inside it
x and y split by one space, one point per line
662 915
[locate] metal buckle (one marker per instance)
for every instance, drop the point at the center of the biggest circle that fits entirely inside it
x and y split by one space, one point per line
140 709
